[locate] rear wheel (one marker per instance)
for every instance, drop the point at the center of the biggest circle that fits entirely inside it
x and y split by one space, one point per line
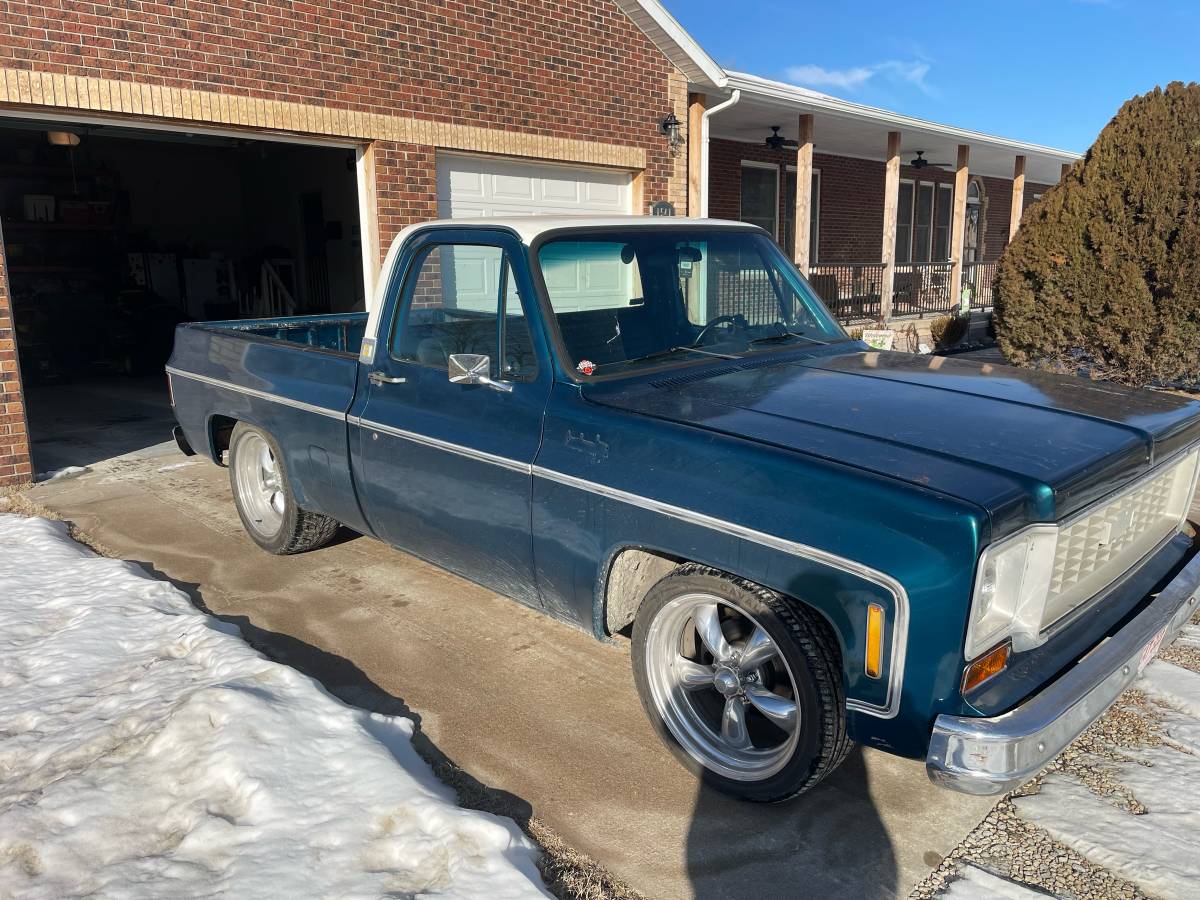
264 498
742 684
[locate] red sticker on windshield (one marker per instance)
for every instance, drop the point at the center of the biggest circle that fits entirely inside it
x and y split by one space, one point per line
586 366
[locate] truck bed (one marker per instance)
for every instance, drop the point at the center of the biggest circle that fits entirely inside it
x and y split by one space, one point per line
293 376
341 333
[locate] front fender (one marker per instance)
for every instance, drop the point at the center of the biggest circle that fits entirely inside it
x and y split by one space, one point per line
832 537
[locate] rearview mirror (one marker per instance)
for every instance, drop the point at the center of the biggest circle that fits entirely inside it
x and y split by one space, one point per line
474 368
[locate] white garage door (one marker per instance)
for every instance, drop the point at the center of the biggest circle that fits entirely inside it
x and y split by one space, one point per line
474 186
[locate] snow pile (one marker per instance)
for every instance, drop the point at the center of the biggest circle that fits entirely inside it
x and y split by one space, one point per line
1155 850
147 751
975 883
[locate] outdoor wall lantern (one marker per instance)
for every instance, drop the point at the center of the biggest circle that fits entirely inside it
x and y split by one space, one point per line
672 128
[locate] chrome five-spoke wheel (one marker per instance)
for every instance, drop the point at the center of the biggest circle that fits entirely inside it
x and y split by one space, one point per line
722 687
743 684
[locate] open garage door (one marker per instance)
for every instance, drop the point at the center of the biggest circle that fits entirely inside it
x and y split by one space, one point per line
474 186
113 235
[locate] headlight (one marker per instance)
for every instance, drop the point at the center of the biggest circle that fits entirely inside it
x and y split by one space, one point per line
1011 587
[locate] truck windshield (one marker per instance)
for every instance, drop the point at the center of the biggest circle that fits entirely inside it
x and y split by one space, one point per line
624 300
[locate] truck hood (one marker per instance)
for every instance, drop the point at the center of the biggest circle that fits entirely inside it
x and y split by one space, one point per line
1023 445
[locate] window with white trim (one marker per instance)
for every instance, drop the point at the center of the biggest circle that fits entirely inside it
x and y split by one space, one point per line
925 211
760 196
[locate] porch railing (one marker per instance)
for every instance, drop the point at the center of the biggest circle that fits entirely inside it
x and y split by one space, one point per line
977 278
852 291
923 289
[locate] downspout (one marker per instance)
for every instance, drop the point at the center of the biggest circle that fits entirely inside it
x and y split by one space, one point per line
736 96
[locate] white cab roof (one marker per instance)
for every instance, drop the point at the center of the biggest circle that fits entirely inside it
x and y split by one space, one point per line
529 228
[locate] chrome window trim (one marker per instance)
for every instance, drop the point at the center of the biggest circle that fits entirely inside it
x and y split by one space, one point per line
262 395
438 444
900 597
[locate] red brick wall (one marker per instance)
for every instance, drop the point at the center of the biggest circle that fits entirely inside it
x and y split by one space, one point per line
568 68
14 449
406 185
851 218
564 68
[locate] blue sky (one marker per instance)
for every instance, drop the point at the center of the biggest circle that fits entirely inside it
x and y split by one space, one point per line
1048 71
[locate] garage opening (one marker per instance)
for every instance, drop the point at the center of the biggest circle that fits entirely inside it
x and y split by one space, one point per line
114 235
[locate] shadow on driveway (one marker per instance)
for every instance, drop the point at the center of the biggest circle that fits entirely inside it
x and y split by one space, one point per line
829 842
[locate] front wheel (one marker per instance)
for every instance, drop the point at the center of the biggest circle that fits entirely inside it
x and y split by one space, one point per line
742 684
264 498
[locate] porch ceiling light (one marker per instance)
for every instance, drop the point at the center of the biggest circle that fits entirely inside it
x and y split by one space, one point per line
63 138
670 126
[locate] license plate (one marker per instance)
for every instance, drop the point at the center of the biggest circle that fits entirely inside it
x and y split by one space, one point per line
1151 648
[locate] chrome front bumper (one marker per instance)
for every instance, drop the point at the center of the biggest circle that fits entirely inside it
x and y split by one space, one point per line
991 756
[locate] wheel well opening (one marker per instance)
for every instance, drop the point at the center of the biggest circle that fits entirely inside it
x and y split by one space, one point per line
632 573
220 429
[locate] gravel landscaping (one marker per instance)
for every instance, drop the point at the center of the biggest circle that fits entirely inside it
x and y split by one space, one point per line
1112 792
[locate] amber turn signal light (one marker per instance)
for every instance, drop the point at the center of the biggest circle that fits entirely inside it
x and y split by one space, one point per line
874 662
987 666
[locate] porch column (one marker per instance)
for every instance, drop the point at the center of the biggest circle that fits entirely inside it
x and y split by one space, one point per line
695 138
958 231
804 167
891 206
1018 196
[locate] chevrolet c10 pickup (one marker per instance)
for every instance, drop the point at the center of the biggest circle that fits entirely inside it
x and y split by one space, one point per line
653 428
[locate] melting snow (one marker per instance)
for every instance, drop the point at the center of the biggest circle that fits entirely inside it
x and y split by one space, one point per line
977 884
147 751
1155 850
63 474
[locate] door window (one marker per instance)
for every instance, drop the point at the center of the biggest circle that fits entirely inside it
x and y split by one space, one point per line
451 304
760 197
904 223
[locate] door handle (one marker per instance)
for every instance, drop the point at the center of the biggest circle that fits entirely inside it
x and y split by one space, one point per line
378 378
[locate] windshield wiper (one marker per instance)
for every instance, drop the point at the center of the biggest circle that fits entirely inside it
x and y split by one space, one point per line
680 349
784 336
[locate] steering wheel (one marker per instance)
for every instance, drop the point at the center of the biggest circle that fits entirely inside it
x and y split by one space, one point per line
737 321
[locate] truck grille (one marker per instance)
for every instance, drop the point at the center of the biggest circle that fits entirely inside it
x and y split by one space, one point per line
1104 543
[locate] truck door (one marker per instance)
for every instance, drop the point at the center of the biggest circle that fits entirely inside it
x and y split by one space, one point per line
444 466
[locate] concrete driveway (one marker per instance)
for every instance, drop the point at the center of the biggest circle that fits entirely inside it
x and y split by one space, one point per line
541 713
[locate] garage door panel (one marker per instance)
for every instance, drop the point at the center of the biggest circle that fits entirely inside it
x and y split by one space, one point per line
600 193
512 187
466 184
559 190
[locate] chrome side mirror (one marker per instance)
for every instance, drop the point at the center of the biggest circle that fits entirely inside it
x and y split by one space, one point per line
474 368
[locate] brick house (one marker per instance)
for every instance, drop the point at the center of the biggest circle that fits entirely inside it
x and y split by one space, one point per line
226 158
869 173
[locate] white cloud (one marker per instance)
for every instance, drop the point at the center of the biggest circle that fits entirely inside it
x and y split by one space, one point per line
912 72
816 76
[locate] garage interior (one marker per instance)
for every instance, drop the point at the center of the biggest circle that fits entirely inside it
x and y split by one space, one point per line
114 235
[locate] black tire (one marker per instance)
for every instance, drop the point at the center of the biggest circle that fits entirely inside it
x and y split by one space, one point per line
298 529
807 645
